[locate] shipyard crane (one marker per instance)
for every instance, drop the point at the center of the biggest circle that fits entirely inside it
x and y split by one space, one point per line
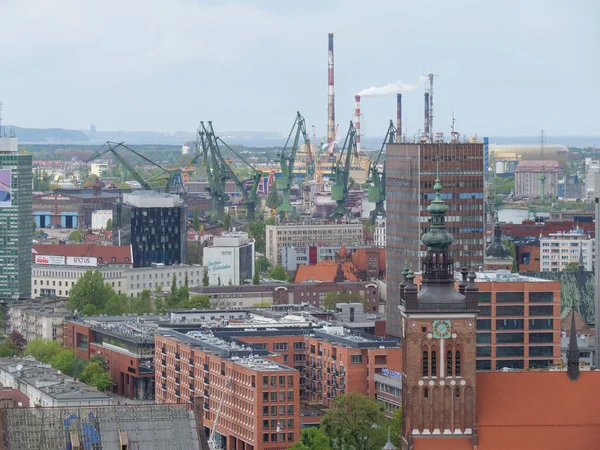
286 162
212 441
172 177
377 189
341 173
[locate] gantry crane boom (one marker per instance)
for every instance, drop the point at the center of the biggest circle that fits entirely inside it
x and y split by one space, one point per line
110 147
214 171
377 189
341 173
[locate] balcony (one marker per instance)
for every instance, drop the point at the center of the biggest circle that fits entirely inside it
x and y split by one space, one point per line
177 356
164 351
164 374
177 380
164 386
192 374
177 393
206 394
206 367
177 368
164 363
191 386
191 361
206 380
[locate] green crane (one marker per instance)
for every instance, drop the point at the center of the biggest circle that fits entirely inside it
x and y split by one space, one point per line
287 160
377 189
207 143
341 173
172 178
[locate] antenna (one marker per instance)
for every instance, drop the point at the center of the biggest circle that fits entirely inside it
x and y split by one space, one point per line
431 107
542 142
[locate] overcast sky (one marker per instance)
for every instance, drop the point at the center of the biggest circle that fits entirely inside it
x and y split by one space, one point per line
504 67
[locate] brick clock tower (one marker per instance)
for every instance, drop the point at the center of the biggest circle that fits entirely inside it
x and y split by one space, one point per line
439 341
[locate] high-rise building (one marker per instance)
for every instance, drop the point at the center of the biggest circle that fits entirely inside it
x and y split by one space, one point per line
411 172
154 224
16 233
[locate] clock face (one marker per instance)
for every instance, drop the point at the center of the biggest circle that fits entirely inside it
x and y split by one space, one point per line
442 329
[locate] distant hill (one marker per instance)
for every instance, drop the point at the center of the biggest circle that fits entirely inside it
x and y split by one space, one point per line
47 135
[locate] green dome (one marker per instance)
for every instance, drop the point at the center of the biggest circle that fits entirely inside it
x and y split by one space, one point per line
437 239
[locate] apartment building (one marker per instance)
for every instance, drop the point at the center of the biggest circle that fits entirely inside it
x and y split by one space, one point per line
557 250
323 233
38 320
529 175
255 397
388 391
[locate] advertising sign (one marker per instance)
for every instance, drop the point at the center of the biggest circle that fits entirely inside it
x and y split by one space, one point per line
82 261
5 188
50 260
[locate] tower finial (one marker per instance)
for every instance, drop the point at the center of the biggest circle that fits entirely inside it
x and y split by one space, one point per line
573 351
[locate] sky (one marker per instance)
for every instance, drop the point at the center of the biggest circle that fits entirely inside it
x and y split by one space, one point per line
504 67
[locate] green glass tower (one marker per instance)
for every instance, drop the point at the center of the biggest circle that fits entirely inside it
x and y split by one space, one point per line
16 221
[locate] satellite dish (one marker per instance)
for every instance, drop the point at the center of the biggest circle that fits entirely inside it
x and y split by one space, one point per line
19 367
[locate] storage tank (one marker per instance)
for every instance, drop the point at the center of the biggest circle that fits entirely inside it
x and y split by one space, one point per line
499 167
185 148
511 166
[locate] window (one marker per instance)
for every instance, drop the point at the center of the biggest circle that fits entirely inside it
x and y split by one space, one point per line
356 359
265 381
265 410
425 364
484 351
273 396
541 338
541 351
510 297
541 324
457 364
484 338
510 311
457 392
433 363
484 364
541 297
509 324
299 345
425 392
511 364
509 351
265 437
509 338
484 324
282 396
449 364
290 410
485 311
265 424
280 346
484 297
541 310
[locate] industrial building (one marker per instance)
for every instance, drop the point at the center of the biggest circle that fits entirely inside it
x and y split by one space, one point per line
313 234
230 259
411 173
154 224
532 177
16 180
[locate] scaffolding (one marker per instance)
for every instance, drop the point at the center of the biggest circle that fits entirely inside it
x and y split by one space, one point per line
134 427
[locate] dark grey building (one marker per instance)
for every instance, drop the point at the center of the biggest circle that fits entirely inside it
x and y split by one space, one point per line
154 224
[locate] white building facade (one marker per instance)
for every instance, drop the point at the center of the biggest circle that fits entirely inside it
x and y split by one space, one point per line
592 167
38 321
100 218
230 260
559 249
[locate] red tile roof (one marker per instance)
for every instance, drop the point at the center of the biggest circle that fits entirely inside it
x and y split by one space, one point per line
538 410
104 253
325 270
359 258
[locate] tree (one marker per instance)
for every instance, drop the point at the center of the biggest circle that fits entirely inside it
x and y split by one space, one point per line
263 264
43 349
312 438
196 221
8 349
95 374
193 254
396 426
333 297
199 302
186 281
219 281
205 280
76 236
571 267
257 231
90 290
141 303
18 340
34 225
510 245
277 272
256 278
102 381
261 305
109 225
273 200
63 361
227 221
116 305
355 421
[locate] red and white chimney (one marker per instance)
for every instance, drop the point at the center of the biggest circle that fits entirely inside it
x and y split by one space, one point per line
357 120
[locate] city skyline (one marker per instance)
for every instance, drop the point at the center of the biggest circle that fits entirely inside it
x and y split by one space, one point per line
504 69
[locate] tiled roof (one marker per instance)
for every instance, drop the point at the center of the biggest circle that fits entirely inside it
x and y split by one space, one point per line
537 410
359 258
104 253
325 270
536 166
580 325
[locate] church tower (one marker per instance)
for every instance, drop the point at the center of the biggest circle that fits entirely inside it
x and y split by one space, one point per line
439 341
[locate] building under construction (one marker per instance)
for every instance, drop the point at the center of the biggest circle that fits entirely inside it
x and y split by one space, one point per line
127 427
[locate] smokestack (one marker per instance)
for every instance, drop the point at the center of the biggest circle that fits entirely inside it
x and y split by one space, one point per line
399 118
357 120
426 128
330 97
430 111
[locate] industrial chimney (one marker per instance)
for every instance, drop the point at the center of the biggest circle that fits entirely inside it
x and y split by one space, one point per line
357 120
426 130
398 117
330 96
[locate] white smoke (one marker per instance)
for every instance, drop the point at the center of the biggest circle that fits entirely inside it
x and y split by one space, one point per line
391 88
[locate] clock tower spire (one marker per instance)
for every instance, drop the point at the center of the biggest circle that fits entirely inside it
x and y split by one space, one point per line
439 351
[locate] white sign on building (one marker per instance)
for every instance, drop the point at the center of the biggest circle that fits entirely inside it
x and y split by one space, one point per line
50 260
82 261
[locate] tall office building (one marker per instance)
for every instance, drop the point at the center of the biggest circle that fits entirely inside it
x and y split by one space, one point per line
16 219
154 224
410 176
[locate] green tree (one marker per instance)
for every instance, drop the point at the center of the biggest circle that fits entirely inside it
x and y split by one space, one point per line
101 381
95 374
116 305
193 254
63 361
109 225
76 236
263 264
257 231
199 302
159 306
396 426
90 290
196 221
142 303
510 245
227 221
277 272
219 281
355 421
256 278
312 438
205 280
8 349
571 267
43 349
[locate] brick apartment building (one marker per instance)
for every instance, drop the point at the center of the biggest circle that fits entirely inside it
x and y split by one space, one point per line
127 348
256 399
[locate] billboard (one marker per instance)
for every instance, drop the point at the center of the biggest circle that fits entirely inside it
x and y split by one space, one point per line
82 261
50 260
5 188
